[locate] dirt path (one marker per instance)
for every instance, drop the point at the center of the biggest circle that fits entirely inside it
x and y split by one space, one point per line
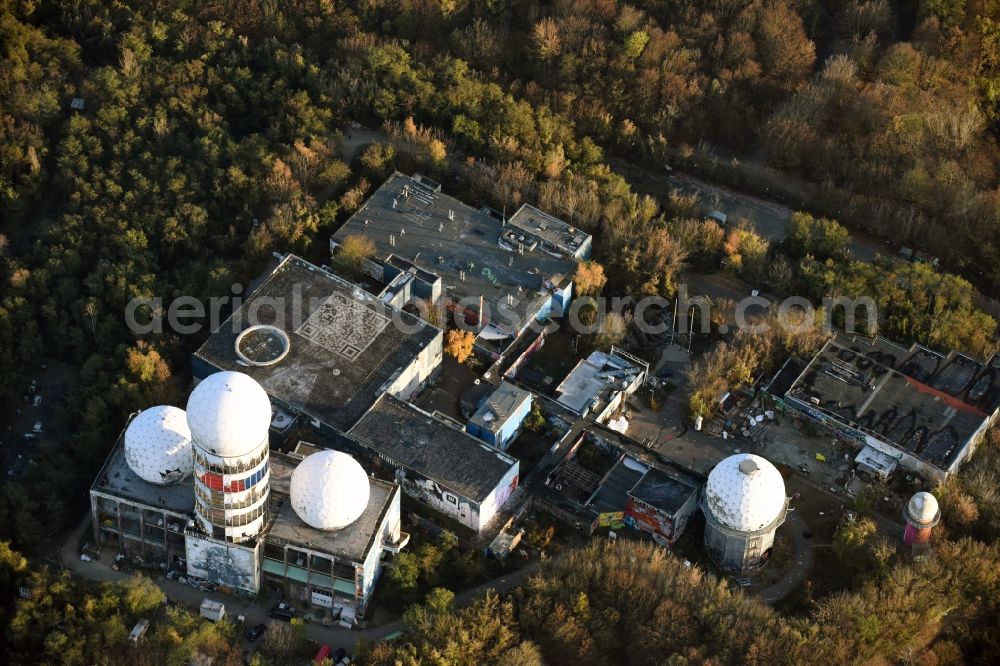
357 137
801 565
770 218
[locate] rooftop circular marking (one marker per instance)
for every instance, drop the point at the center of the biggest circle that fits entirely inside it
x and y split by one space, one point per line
262 345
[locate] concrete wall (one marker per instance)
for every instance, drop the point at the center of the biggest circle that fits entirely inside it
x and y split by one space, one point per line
201 368
480 433
513 424
388 530
406 385
733 550
650 519
439 498
136 528
736 552
642 516
557 304
499 495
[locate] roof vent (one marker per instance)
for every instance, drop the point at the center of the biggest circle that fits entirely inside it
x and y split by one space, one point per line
748 466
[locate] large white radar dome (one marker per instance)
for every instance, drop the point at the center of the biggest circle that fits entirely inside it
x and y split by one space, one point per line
229 414
158 445
923 509
745 492
329 490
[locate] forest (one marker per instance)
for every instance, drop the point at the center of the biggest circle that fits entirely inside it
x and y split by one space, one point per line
211 134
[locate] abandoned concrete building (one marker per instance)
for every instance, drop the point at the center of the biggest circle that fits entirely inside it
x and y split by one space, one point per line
500 274
908 407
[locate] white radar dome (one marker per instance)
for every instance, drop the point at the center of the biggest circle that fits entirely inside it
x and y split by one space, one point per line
745 492
229 414
158 445
329 490
923 508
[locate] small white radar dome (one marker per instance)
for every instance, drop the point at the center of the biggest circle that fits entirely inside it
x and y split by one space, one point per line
158 445
229 414
923 509
329 490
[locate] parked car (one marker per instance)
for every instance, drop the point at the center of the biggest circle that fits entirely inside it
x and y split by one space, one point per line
253 633
339 654
282 611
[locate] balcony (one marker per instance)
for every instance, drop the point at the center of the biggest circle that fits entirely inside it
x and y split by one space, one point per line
400 544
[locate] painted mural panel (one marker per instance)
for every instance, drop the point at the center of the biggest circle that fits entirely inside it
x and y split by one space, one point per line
645 517
610 518
439 498
224 564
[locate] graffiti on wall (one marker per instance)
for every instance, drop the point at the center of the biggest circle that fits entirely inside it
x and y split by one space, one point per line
440 499
222 564
646 518
610 518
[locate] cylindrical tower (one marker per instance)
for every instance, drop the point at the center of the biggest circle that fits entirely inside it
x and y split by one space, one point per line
921 514
744 504
229 415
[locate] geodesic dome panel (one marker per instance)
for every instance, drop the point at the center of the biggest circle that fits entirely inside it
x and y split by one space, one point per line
745 492
329 490
229 414
158 445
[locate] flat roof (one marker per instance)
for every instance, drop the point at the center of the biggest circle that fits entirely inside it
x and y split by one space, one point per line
344 345
663 490
612 494
118 479
553 233
353 542
442 236
412 438
632 462
593 379
929 407
493 414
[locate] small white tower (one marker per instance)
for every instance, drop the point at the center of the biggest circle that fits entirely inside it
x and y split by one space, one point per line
229 415
921 515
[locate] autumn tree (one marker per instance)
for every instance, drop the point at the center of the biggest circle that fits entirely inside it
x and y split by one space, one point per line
378 159
355 250
546 40
746 251
589 278
613 329
486 632
459 344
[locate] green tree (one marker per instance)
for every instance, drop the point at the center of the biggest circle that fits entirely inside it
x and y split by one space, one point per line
635 43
